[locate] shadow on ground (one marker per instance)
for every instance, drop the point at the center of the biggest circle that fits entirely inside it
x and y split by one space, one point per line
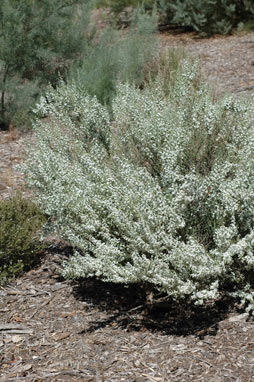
127 308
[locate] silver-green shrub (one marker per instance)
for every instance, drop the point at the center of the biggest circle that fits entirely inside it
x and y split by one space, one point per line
162 195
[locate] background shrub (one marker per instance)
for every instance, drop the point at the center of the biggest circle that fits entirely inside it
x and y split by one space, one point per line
115 57
117 6
207 17
162 195
20 246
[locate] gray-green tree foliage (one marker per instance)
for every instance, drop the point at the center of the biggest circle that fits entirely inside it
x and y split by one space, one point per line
38 41
162 195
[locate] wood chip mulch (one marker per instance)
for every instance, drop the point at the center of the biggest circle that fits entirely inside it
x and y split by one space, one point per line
227 62
12 152
57 330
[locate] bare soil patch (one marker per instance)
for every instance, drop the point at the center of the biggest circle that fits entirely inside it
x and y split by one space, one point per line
57 330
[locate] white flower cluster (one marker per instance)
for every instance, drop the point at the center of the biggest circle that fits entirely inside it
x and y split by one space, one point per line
162 193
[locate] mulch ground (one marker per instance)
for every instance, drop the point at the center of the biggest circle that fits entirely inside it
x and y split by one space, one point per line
53 329
57 330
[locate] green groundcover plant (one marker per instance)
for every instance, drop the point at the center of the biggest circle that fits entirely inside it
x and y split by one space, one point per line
162 194
20 246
